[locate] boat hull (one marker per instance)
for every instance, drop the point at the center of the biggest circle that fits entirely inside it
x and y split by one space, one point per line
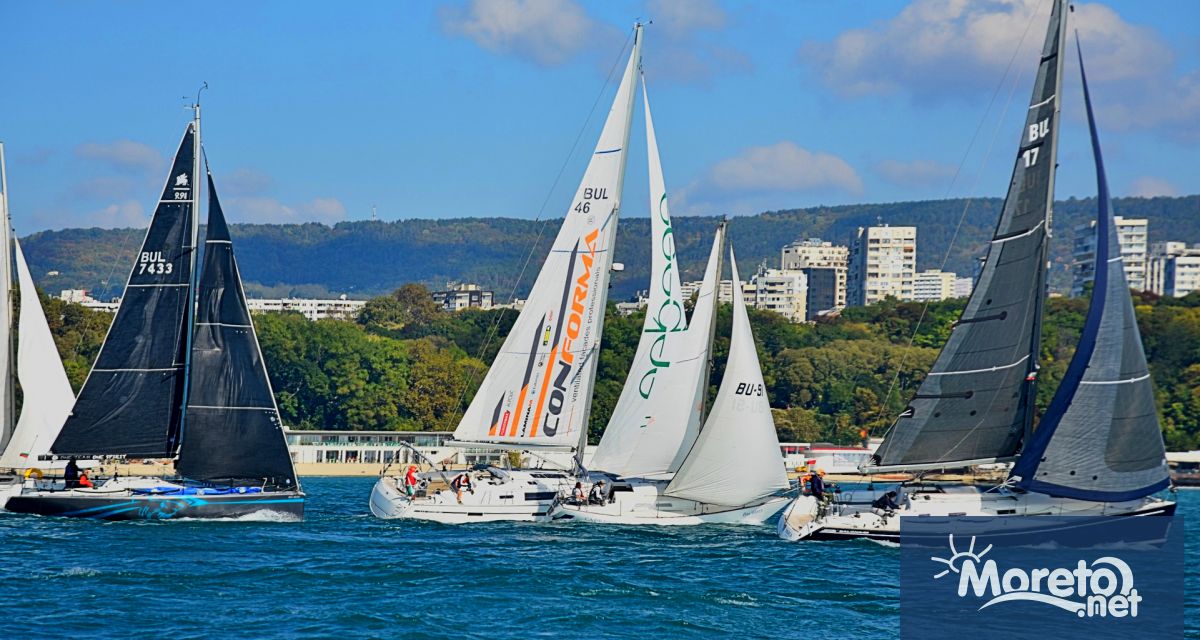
127 506
802 520
520 496
637 501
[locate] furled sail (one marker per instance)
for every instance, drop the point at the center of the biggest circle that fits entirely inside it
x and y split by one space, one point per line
7 393
1100 438
131 402
736 460
976 404
538 390
229 397
46 391
657 416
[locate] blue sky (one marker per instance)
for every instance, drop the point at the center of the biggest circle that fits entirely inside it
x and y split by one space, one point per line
318 111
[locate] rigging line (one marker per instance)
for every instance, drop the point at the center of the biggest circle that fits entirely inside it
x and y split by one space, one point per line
494 329
970 199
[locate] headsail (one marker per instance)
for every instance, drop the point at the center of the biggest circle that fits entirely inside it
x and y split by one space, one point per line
976 404
654 424
229 397
1100 438
7 392
131 403
736 460
46 391
538 391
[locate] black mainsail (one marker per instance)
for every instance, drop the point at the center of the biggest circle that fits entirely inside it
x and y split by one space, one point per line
229 395
1100 438
131 403
977 402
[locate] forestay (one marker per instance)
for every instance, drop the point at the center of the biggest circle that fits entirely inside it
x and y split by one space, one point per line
539 388
977 401
1100 438
46 391
657 416
736 460
131 402
233 431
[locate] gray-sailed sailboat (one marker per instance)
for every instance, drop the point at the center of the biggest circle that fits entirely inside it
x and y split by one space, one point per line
180 375
1098 449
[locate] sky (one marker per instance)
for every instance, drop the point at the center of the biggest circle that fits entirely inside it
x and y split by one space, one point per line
324 111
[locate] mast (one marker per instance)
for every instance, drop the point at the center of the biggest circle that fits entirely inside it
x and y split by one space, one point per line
8 410
189 327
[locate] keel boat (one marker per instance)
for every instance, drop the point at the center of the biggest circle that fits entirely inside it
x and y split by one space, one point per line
1098 450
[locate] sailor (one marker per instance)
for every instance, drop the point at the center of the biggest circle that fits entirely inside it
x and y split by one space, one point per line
71 473
85 482
577 496
462 482
410 480
596 496
816 485
886 502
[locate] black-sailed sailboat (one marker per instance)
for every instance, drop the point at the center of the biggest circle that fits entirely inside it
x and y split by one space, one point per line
180 375
1098 449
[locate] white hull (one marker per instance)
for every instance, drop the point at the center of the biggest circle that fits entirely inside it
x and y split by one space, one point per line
642 503
852 517
515 495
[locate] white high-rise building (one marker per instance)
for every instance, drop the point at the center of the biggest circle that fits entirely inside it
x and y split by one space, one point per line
1132 237
883 262
784 291
812 254
933 285
1173 269
963 287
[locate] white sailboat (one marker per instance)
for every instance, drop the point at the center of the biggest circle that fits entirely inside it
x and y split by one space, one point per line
537 394
46 391
1097 451
732 472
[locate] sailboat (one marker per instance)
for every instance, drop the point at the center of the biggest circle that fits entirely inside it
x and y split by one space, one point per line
655 426
537 395
1098 450
46 391
180 375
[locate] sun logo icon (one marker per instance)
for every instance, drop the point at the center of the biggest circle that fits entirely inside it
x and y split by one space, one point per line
958 558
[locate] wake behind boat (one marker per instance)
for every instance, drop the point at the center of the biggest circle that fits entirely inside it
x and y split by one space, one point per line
537 395
180 375
1098 450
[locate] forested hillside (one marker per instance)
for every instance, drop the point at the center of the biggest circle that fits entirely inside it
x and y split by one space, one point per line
407 365
366 258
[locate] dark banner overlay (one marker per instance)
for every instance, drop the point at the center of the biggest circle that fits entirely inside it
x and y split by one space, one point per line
1042 576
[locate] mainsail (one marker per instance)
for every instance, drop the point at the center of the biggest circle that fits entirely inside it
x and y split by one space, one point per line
1100 438
657 416
977 402
229 394
736 460
131 402
46 391
538 391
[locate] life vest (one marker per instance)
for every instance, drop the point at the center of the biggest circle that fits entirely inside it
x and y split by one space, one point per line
85 481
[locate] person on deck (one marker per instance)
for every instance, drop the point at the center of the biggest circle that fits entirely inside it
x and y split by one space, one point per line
461 482
577 496
410 481
85 482
816 486
71 473
596 496
886 502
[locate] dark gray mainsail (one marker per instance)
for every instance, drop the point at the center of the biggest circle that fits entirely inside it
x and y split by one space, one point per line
1100 438
131 402
233 431
977 402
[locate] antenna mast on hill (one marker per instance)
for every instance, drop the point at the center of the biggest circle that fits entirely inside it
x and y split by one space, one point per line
373 216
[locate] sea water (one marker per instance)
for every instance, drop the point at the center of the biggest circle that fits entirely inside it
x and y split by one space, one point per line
342 573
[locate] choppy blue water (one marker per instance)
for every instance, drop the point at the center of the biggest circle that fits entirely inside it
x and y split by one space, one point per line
344 573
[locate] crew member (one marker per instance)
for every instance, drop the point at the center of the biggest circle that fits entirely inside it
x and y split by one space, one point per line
461 482
577 496
71 473
596 496
816 486
85 482
886 502
410 480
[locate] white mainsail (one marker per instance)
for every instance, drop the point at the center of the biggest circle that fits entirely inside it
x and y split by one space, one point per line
47 392
538 391
736 459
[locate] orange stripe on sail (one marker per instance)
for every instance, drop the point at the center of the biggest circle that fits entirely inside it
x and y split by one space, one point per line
517 412
537 417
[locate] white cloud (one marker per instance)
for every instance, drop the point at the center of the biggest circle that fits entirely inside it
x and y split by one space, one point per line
1150 187
244 182
915 173
128 213
678 17
936 50
104 188
269 210
123 155
547 32
686 45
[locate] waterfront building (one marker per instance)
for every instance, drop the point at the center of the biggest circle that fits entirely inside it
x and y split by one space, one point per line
459 296
724 292
933 285
314 309
814 253
963 287
1132 237
1173 269
783 291
82 297
883 262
